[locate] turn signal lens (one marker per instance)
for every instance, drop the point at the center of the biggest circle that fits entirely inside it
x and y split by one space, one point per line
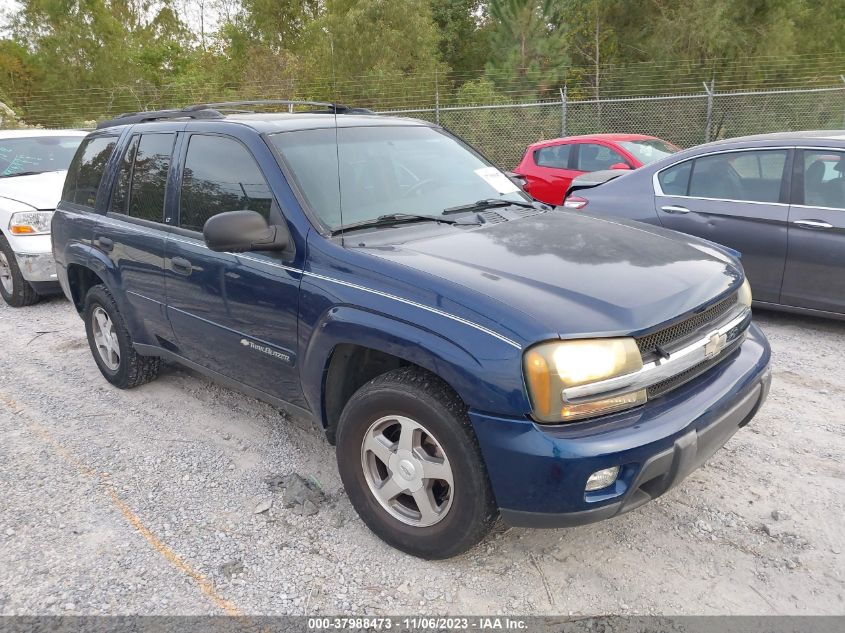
744 294
552 367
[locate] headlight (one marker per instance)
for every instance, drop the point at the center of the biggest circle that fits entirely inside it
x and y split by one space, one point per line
744 295
551 367
30 223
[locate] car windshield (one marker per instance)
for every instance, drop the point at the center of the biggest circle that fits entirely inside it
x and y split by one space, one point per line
36 155
368 172
649 150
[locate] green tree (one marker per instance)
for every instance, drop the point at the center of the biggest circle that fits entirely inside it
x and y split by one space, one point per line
529 45
463 35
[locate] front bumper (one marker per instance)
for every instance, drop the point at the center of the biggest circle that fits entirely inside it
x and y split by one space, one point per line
539 473
38 267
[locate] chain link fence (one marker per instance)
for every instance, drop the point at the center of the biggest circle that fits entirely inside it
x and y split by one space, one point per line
499 130
502 131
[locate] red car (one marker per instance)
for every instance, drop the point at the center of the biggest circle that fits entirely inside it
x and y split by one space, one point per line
549 166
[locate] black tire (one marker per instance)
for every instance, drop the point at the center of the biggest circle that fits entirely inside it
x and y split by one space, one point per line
22 294
414 393
132 369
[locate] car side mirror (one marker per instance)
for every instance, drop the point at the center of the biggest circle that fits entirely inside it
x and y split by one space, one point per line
620 166
242 231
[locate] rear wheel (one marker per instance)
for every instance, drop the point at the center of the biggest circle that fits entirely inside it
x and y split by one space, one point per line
411 465
111 344
15 290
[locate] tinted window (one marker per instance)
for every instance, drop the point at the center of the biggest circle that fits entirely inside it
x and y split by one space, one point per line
556 156
220 175
752 176
675 180
86 170
149 176
824 179
592 157
124 175
37 154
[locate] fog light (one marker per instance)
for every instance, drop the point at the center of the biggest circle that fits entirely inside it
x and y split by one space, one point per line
602 478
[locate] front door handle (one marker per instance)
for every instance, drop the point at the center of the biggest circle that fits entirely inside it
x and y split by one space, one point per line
105 243
181 266
671 208
813 224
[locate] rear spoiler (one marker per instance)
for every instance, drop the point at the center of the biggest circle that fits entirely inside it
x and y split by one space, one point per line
593 179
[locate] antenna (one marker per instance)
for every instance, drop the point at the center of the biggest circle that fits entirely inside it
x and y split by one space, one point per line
336 138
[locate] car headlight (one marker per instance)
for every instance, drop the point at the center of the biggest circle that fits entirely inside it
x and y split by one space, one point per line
743 297
556 365
30 223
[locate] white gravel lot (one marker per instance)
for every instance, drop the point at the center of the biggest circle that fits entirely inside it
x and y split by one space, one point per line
144 502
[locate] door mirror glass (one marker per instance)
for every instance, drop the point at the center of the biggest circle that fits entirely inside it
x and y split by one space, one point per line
242 231
620 166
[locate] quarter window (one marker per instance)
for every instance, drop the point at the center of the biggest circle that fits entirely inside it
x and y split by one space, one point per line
754 176
824 179
556 156
593 157
86 170
220 175
675 180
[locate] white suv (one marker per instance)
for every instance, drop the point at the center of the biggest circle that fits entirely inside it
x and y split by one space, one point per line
33 164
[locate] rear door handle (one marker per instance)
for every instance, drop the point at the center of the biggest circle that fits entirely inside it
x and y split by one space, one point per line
813 224
671 208
105 243
181 266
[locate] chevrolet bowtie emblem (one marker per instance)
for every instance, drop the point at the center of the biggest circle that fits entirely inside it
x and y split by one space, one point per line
715 344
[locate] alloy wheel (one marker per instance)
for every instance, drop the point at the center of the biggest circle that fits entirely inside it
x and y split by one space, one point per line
105 338
407 471
6 274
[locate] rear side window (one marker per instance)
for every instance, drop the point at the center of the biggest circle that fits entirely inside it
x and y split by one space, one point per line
593 157
753 176
142 177
86 170
556 156
220 175
675 180
149 176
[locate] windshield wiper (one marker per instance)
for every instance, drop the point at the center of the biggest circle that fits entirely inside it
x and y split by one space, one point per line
488 203
396 218
22 173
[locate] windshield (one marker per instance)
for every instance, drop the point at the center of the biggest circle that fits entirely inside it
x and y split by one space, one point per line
375 171
36 155
649 150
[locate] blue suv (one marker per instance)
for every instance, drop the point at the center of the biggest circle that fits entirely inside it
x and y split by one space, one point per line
471 353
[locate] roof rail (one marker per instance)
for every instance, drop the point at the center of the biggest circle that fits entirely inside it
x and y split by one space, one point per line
330 108
213 111
191 112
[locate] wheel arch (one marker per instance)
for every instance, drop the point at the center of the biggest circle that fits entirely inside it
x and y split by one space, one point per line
350 347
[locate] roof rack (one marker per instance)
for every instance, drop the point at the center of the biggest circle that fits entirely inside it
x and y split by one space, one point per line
215 111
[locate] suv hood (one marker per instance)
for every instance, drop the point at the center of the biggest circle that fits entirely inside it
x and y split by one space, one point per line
40 191
577 275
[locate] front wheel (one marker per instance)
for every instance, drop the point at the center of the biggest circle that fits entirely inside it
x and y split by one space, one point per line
411 465
111 344
14 289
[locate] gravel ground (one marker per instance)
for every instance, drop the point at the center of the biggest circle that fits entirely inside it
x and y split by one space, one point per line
170 499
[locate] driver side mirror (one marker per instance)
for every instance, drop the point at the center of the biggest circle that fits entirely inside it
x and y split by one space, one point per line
620 166
243 231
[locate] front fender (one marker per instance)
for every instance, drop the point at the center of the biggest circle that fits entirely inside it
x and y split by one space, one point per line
486 379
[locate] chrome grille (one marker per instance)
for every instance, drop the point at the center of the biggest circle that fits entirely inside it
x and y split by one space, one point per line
669 337
684 377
